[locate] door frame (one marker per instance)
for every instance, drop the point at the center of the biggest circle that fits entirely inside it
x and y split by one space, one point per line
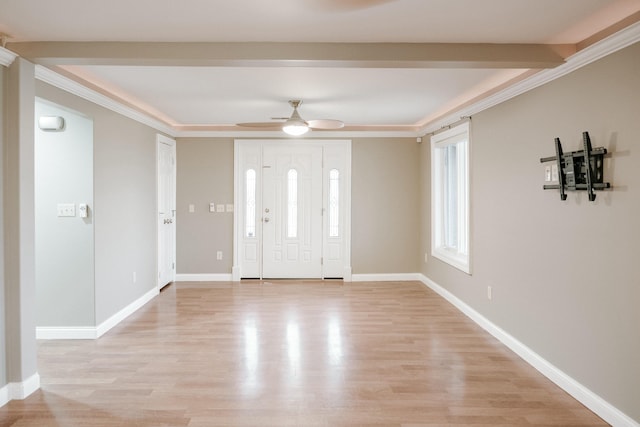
162 139
330 148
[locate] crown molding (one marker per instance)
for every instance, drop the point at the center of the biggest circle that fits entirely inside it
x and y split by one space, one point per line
7 57
590 54
61 82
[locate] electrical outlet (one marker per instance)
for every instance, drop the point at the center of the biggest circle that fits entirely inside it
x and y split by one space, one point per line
219 255
489 293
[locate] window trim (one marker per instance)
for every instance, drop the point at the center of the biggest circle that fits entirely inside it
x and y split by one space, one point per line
453 257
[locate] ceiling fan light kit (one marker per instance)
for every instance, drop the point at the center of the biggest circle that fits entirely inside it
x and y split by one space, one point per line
296 125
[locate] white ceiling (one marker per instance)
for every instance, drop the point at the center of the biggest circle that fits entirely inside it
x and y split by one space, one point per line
214 93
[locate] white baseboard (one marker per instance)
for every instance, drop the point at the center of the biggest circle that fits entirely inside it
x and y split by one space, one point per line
105 326
66 333
22 390
90 332
19 391
595 403
4 395
204 277
393 277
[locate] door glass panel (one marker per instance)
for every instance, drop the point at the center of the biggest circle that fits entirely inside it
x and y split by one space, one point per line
334 203
292 203
250 208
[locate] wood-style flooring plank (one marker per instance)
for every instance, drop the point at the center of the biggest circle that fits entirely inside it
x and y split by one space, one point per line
292 353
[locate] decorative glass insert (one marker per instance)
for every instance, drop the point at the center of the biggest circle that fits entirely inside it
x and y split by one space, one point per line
292 203
334 203
250 209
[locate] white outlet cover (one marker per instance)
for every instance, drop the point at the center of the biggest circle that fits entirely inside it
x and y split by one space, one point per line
229 207
219 207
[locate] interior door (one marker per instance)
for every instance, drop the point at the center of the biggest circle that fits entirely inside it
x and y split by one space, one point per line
166 210
292 211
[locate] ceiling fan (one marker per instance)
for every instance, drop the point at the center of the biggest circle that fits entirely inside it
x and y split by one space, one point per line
295 125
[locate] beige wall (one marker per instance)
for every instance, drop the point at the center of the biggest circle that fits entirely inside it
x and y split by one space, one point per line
204 175
385 186
564 274
385 224
3 351
125 203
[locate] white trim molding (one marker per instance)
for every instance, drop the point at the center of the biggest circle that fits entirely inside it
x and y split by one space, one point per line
112 321
66 333
90 332
61 82
19 391
308 137
386 277
595 403
213 277
6 58
607 46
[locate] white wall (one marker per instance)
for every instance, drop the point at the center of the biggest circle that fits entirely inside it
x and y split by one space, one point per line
64 245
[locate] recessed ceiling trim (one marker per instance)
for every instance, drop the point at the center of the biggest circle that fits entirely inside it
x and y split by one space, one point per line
308 136
6 57
61 82
607 46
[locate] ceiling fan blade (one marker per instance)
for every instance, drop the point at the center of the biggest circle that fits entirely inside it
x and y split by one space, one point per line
274 125
325 124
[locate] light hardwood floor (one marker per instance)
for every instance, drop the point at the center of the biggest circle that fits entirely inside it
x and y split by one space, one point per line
292 353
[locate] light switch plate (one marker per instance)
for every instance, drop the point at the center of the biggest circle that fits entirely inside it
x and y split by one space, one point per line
192 208
66 209
229 207
219 207
212 207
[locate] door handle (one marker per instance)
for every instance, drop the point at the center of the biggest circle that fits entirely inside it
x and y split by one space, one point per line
266 220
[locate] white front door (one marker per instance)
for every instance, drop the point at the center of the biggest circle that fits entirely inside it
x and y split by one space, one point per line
281 190
292 211
166 164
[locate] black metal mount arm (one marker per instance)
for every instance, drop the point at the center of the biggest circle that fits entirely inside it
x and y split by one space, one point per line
578 170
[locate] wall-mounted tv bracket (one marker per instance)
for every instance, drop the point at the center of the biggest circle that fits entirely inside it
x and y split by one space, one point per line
578 170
